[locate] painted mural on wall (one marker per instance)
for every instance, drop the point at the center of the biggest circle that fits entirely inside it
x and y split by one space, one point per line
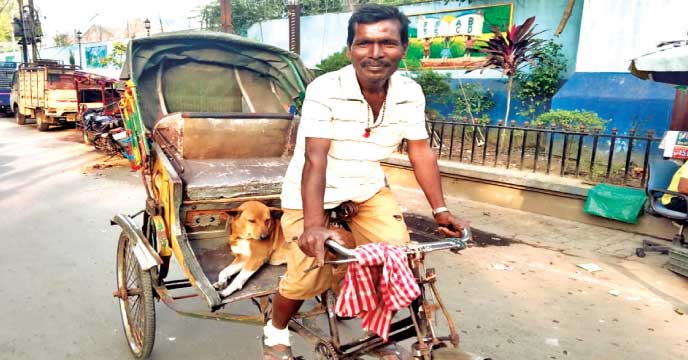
452 38
95 56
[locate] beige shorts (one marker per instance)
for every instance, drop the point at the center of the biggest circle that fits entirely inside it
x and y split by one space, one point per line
379 220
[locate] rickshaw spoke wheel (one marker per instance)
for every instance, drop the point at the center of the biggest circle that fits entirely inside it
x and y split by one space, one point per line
137 307
325 351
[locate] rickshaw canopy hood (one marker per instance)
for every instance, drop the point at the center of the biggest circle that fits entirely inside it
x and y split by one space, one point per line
149 56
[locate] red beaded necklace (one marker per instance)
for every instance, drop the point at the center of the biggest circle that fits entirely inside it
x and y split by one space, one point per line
373 124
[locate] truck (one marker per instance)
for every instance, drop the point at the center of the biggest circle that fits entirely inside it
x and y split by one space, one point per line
45 90
7 69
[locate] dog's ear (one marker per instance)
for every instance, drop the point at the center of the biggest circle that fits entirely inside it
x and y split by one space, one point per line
275 213
234 212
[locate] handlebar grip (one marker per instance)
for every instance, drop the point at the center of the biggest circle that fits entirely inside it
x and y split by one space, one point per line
339 249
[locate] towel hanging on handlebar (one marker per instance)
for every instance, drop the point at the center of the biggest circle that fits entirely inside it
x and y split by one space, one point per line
382 267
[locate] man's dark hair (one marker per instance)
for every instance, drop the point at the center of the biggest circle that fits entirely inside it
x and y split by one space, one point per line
372 13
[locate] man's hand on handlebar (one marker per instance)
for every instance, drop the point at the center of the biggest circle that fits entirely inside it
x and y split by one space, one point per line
450 226
312 242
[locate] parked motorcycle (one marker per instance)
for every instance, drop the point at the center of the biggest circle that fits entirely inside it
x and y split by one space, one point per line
105 132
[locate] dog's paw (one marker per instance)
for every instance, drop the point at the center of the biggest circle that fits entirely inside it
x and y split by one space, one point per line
228 291
220 285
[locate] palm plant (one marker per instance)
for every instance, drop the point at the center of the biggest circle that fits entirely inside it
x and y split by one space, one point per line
510 52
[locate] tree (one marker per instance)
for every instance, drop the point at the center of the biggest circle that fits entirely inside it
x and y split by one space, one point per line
536 87
244 14
116 57
6 11
61 40
473 102
333 62
248 12
510 52
436 87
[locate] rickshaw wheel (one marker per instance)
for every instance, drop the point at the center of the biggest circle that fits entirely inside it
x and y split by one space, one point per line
325 351
449 353
136 305
86 139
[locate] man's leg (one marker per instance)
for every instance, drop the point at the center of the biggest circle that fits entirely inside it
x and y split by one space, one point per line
379 220
275 333
296 285
283 309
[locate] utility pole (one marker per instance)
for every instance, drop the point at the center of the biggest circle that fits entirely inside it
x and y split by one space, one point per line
27 28
226 16
24 33
294 14
34 26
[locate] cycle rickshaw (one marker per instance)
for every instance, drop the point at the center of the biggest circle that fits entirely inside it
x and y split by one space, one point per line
211 123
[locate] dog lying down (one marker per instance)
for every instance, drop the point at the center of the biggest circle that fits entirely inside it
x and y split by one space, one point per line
256 238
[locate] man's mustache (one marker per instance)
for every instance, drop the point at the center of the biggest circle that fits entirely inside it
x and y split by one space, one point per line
366 63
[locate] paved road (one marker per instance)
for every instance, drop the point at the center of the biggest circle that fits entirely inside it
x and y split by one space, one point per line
58 258
523 301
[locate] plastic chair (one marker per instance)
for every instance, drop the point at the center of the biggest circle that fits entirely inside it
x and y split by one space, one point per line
661 173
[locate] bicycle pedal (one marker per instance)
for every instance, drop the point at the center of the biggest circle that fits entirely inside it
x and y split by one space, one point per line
345 318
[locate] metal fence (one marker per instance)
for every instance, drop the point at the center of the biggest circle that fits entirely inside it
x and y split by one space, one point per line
588 154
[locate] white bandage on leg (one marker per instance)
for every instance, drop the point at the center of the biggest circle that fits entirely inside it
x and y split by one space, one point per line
274 336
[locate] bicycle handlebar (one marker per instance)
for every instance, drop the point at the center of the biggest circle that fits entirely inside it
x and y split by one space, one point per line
454 244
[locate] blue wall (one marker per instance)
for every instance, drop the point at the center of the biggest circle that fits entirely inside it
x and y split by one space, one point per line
619 97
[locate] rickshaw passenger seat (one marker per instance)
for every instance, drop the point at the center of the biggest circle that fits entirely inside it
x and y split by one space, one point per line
225 157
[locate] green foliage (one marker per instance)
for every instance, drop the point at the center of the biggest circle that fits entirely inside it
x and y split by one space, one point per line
248 12
536 87
470 101
61 40
116 57
244 14
8 9
473 101
333 62
435 86
415 49
457 49
572 119
5 27
511 52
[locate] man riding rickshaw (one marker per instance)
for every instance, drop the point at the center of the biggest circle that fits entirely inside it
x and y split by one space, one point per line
351 120
211 128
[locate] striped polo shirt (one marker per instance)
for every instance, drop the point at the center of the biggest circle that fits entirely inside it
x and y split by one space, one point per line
334 108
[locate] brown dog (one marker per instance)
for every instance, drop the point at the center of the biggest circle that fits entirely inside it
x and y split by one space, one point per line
256 238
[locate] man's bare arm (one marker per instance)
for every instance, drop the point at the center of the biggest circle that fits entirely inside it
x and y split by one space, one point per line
313 181
427 172
315 230
683 186
424 162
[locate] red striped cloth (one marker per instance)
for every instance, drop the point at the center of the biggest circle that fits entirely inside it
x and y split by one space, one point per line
376 286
